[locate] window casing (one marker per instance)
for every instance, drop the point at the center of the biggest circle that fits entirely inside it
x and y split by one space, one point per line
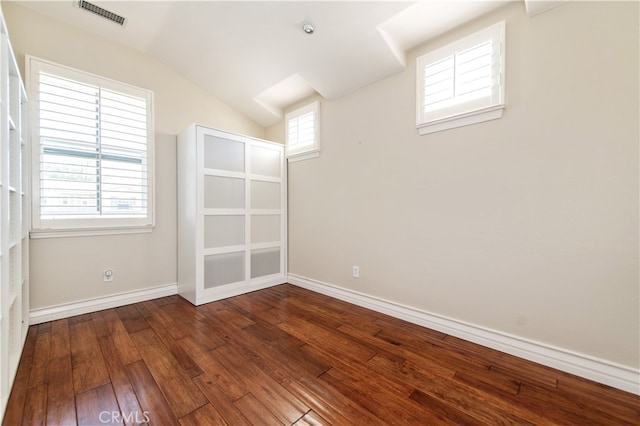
462 83
92 153
302 132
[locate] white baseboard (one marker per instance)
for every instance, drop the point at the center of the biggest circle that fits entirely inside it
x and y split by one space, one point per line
65 310
598 370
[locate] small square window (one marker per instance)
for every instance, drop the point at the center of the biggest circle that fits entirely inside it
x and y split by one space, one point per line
303 139
462 83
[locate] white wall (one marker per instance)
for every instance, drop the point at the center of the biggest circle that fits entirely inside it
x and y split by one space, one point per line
527 225
65 270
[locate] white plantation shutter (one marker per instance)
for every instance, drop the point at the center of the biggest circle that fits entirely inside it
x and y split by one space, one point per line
302 130
461 79
94 150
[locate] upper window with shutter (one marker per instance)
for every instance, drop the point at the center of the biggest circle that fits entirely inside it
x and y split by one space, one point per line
303 139
93 152
462 83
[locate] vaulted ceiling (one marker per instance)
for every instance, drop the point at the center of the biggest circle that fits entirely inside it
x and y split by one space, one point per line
256 57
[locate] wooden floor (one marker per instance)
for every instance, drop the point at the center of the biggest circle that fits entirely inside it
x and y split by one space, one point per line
285 355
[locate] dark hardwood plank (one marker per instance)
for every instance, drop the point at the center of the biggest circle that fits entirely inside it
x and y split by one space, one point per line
567 408
98 406
445 413
215 371
35 406
154 405
484 407
113 356
389 410
336 407
131 318
89 369
426 363
517 368
599 395
181 393
109 327
79 318
285 406
311 419
40 364
221 400
256 413
205 415
286 355
159 323
61 402
335 344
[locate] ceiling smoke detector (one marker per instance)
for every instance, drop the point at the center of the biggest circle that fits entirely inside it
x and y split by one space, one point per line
104 13
308 28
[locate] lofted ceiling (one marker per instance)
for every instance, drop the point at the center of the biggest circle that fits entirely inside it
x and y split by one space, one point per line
255 55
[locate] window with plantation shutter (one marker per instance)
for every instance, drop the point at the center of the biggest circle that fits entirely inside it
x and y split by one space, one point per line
302 132
93 151
462 83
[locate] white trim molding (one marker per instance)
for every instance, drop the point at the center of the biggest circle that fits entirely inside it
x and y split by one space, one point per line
65 310
598 370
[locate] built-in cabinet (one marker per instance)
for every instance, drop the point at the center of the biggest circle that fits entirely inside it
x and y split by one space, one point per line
14 218
231 214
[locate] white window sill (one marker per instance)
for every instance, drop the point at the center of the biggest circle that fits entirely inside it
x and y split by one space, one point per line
302 156
460 120
67 233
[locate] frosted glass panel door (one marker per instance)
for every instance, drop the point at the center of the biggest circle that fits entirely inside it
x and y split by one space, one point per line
265 228
220 231
265 161
223 192
231 214
265 195
265 262
223 154
225 268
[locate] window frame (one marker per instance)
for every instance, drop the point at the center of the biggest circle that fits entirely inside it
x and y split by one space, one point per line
470 112
304 152
67 227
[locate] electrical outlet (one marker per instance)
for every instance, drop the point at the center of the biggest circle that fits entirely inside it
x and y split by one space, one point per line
356 271
108 275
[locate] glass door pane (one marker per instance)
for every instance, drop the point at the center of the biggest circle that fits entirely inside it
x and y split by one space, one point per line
265 195
265 228
265 161
223 193
221 269
223 154
265 262
221 231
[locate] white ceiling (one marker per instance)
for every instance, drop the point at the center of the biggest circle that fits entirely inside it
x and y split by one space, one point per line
255 56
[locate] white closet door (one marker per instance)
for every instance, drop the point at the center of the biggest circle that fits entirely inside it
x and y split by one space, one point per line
224 230
265 228
266 206
266 161
265 195
221 192
223 154
224 268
